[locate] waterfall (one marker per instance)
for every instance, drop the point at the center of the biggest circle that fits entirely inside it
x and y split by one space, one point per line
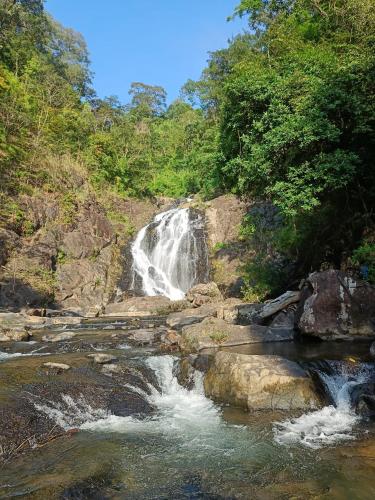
170 254
333 423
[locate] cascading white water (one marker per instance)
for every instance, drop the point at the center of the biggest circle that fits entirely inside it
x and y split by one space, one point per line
166 254
332 423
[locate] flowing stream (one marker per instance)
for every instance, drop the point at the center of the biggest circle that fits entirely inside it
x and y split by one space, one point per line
170 254
334 423
186 446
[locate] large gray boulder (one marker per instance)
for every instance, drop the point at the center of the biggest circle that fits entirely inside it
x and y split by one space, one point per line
336 306
260 383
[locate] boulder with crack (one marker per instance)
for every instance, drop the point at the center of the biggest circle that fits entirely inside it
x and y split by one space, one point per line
260 383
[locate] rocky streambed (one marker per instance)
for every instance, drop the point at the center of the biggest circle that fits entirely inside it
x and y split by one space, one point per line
109 408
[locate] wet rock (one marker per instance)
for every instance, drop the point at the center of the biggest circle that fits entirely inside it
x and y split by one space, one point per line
57 366
184 372
363 399
14 335
23 428
337 306
260 383
144 306
109 369
213 332
102 358
372 349
144 336
204 293
191 316
59 337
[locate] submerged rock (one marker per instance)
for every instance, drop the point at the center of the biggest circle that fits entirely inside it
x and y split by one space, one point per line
336 306
260 383
59 337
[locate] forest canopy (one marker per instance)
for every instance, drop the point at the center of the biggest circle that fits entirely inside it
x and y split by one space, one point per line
284 114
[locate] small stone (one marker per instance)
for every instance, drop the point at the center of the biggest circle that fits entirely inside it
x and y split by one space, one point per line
57 366
111 368
171 338
60 337
143 336
102 359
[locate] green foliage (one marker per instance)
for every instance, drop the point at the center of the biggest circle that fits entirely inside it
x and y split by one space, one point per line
219 337
364 257
294 100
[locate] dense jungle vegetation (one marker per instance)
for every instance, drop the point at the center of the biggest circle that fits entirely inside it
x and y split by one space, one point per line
285 113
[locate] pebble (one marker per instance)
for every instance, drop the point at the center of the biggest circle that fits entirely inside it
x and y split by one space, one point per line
57 366
102 359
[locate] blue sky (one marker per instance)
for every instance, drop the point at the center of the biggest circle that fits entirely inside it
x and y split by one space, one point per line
159 42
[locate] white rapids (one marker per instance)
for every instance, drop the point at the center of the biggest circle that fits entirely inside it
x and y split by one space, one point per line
166 254
332 424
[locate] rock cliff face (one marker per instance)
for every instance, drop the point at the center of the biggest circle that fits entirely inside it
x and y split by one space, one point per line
72 259
227 253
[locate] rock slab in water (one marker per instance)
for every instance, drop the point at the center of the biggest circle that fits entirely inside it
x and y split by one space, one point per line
59 337
214 332
337 306
57 366
260 383
102 359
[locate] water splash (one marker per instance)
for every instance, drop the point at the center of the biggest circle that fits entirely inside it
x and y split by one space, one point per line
332 424
4 356
182 412
68 413
167 254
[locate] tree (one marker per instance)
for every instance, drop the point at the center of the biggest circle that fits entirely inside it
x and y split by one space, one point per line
147 100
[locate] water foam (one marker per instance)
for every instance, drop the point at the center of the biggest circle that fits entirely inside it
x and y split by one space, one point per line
4 356
332 424
182 412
